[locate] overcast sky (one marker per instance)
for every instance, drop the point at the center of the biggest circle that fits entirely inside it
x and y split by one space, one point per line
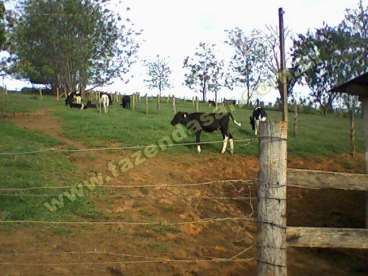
174 28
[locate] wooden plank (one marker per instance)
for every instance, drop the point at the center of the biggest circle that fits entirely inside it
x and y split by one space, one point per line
327 237
271 204
311 179
365 126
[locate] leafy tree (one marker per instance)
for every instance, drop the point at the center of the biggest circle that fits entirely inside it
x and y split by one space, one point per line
324 60
248 62
159 73
2 25
72 43
356 23
205 70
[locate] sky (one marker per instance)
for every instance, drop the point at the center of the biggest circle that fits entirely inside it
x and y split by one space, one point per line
174 28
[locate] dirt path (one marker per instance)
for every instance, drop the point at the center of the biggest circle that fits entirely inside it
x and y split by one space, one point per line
44 122
105 247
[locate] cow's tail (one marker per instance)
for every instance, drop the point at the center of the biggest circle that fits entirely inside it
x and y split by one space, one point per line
235 122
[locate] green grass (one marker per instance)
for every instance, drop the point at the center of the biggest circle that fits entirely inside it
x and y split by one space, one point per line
23 103
41 170
318 136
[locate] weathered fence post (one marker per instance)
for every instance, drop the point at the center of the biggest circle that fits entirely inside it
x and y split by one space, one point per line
365 122
295 122
196 104
352 134
40 91
271 194
146 103
174 104
158 103
133 102
57 94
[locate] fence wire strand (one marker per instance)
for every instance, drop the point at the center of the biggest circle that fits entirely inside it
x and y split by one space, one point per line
129 223
137 147
225 181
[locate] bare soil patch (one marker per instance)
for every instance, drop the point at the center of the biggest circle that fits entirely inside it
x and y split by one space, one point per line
112 250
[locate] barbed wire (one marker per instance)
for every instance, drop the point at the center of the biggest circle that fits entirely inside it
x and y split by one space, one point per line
96 252
249 140
129 223
224 181
216 260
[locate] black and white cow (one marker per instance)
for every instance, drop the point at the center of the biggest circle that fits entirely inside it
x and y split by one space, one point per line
125 102
208 122
211 103
259 115
69 100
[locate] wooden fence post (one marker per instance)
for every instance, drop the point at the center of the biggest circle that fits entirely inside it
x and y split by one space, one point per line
158 103
295 122
57 94
271 194
193 102
41 96
352 134
197 105
174 104
365 122
133 102
146 103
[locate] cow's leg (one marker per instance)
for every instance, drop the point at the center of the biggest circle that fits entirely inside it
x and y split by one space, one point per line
257 127
231 140
198 141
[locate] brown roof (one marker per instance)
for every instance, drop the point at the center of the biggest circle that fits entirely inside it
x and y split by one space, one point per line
357 86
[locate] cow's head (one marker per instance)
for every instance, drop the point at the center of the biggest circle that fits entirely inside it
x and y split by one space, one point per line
252 122
180 118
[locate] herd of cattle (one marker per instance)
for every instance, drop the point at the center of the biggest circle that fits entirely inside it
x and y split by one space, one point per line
197 121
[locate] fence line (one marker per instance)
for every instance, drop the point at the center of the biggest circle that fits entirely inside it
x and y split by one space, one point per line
231 181
130 223
51 253
249 141
131 197
216 260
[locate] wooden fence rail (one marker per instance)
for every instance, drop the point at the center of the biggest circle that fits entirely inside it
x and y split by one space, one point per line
327 237
311 179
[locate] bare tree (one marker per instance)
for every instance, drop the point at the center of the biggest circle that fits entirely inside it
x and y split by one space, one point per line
159 74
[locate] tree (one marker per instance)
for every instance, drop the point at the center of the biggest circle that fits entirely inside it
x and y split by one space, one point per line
2 25
248 62
159 73
356 23
294 74
72 43
324 58
205 70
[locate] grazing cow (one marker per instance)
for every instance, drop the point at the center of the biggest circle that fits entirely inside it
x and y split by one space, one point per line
259 115
211 103
207 122
229 102
125 102
69 101
78 97
104 102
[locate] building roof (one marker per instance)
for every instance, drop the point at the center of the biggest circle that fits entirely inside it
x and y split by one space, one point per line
357 86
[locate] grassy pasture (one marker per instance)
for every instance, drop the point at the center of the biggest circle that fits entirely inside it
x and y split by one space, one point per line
318 136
